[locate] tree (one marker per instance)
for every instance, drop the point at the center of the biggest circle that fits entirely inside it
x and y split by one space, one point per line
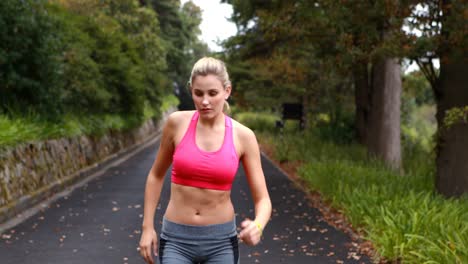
180 29
29 59
371 43
451 94
141 26
365 38
293 41
269 53
113 57
444 37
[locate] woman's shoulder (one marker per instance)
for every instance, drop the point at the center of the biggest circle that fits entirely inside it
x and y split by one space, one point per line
245 138
180 116
242 131
177 118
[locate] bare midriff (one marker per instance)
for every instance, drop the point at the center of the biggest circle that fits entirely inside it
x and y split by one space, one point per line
196 206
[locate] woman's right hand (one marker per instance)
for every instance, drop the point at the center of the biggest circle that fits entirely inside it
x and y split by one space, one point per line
149 244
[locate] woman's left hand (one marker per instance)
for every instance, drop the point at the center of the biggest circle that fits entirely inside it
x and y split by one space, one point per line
250 233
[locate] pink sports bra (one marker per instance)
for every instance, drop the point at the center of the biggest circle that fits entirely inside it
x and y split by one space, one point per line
194 167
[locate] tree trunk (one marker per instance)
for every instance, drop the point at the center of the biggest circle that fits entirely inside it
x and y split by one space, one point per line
384 137
452 142
306 105
451 92
362 101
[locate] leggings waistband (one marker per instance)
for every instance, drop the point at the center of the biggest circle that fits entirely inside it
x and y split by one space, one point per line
183 231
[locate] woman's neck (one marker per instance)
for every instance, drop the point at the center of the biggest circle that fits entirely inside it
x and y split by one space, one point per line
218 120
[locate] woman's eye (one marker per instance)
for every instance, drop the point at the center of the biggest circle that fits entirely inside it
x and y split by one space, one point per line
213 93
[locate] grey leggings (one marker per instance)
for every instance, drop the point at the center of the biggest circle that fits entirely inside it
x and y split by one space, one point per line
187 244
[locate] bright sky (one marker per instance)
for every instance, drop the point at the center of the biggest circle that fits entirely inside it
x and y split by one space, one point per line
215 25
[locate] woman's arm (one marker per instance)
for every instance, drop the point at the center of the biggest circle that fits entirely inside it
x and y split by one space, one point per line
156 175
154 183
251 232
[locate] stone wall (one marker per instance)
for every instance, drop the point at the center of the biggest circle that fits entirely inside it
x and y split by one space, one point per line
33 171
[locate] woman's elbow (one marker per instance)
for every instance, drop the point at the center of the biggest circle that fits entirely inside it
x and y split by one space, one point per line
266 203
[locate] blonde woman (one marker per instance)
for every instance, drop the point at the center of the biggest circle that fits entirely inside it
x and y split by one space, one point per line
205 147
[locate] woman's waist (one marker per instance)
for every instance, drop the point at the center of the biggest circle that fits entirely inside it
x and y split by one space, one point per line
184 232
192 213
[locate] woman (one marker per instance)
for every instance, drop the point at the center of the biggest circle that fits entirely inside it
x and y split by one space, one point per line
205 147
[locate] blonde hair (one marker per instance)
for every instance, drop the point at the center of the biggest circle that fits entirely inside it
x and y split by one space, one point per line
210 65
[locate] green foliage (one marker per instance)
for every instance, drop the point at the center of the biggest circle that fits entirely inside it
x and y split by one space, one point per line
71 67
340 129
401 215
32 128
123 78
456 115
261 122
30 71
257 121
85 87
180 28
308 49
141 26
168 102
297 147
267 62
418 123
427 228
418 127
20 129
439 34
418 88
81 57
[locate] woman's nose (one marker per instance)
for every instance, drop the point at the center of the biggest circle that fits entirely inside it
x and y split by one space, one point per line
205 101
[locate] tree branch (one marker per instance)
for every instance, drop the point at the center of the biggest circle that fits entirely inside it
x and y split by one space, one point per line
428 70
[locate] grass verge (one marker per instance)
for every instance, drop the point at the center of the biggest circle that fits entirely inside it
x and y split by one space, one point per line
17 130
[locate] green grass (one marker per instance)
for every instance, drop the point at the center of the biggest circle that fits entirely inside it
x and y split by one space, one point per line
17 130
400 214
29 129
264 122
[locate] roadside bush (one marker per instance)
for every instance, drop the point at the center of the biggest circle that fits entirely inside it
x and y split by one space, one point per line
30 68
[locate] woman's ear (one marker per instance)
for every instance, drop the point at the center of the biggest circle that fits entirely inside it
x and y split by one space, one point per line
228 91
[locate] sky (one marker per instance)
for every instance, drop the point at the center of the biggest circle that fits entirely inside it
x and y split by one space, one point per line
215 24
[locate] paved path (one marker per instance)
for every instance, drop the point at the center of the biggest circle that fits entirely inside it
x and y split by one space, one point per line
99 222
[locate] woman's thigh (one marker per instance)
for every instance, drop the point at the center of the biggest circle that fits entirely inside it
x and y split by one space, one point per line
174 253
198 244
225 252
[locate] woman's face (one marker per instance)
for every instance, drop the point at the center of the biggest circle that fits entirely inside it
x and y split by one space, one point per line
209 95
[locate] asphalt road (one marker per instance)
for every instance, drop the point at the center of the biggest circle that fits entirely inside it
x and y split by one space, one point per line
99 222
